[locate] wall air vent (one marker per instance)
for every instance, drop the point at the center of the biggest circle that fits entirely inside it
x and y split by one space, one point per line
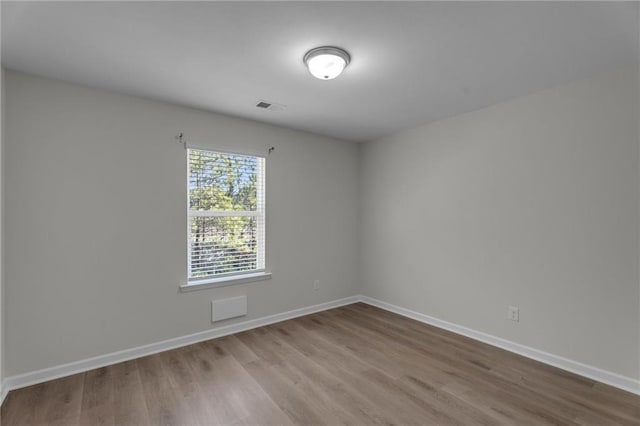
271 106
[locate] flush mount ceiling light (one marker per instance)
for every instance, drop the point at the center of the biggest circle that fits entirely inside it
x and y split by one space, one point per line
326 62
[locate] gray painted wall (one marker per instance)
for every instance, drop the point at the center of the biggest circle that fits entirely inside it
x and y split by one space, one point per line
96 221
533 203
3 128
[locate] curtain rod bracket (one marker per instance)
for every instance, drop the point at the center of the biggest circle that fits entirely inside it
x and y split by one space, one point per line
181 140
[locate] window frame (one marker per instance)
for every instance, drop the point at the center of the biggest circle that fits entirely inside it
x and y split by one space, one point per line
230 278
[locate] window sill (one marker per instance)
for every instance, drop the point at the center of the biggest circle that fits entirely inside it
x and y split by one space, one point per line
224 281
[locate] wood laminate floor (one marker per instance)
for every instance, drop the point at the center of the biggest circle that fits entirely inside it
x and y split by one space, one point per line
355 365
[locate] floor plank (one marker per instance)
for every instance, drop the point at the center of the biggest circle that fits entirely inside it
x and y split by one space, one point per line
129 405
352 365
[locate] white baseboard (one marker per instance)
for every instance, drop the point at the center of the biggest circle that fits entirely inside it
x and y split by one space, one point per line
626 383
39 376
51 373
3 392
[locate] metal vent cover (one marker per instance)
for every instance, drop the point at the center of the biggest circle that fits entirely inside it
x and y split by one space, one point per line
271 106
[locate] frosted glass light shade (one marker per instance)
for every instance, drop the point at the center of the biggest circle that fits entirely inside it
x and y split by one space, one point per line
326 63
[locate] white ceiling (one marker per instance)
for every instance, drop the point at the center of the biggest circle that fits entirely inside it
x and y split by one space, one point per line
411 62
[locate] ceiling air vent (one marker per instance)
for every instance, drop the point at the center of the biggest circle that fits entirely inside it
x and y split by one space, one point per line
271 106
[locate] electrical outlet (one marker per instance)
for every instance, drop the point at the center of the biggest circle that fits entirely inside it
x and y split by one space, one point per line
513 313
316 285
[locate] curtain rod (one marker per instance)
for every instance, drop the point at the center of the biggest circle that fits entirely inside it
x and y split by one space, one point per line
182 141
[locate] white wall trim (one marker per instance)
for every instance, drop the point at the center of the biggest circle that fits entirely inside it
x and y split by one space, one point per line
3 392
622 382
51 373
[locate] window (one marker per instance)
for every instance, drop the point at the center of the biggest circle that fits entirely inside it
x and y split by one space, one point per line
226 218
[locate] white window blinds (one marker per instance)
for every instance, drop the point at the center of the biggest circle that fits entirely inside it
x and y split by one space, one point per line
226 220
